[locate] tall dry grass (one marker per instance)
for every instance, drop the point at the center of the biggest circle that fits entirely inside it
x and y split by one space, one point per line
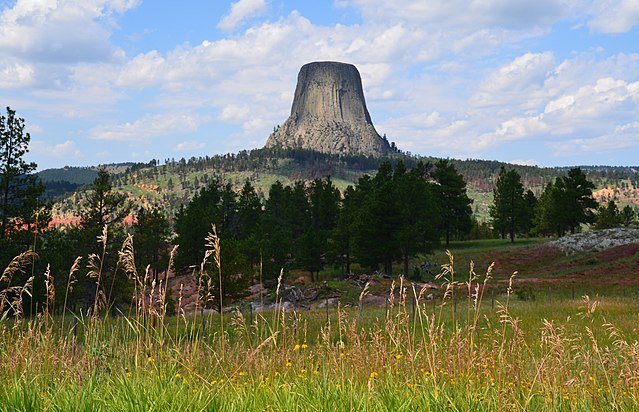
412 355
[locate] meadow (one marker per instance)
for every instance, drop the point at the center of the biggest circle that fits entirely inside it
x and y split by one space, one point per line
468 349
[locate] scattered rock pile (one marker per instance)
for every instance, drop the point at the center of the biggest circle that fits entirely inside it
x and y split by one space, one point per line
596 240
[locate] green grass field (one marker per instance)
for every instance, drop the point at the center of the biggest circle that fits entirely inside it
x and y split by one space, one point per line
462 351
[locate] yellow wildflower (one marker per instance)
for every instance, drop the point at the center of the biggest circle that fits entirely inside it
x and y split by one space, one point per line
373 375
398 356
150 359
304 345
297 346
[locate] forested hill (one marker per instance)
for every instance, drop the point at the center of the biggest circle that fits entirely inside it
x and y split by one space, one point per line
170 183
66 180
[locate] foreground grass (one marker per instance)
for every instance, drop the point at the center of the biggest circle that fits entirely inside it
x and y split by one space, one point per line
461 352
529 356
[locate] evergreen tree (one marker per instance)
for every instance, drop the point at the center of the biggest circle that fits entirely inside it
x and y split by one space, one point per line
343 231
104 206
508 212
104 213
275 231
608 216
376 220
395 215
20 191
627 215
566 204
236 271
249 214
548 217
193 223
298 218
579 204
323 200
528 216
455 204
152 231
418 210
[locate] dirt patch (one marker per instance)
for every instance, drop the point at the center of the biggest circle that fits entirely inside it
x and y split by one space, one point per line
544 264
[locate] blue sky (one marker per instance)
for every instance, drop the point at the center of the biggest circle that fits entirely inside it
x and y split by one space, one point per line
544 82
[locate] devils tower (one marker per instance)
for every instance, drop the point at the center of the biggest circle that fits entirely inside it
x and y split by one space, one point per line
329 113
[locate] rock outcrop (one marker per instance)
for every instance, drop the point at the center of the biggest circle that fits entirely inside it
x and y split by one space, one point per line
329 113
596 240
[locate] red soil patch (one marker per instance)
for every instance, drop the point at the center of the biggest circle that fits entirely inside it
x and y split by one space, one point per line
545 264
57 221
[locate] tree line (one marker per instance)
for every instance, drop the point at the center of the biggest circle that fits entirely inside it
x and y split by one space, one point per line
565 205
403 210
381 220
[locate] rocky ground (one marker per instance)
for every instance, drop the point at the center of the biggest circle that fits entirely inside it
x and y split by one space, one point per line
604 258
596 240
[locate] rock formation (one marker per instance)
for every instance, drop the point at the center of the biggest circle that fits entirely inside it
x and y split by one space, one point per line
329 113
596 240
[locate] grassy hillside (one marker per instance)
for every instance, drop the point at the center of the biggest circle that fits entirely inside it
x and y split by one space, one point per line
172 183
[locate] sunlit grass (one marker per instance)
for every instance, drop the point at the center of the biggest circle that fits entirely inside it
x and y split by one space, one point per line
462 351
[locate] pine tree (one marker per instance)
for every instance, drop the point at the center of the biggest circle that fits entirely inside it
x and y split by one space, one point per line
323 200
508 211
105 207
566 204
249 214
608 216
20 190
105 210
627 215
579 204
455 204
151 230
193 223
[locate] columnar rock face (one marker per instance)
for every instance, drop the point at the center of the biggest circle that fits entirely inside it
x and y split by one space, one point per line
329 113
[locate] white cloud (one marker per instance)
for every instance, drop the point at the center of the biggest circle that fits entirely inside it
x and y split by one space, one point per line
241 11
515 129
468 103
189 145
149 126
67 149
59 31
593 106
622 137
614 16
516 82
235 113
16 75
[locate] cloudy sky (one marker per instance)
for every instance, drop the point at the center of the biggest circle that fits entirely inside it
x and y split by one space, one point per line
545 82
